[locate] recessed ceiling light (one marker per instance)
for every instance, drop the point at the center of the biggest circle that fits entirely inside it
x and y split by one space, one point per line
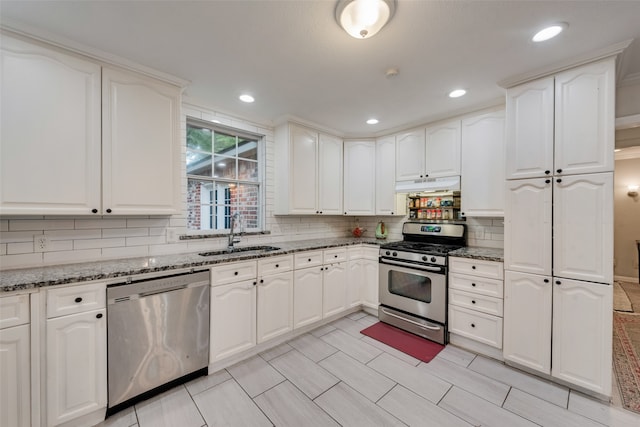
549 32
457 93
372 121
246 98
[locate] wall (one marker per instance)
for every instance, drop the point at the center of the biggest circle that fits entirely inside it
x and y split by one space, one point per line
626 218
82 239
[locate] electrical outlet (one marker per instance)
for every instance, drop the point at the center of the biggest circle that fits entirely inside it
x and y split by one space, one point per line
40 242
172 235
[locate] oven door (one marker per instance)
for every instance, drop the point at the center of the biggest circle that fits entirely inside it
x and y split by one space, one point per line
415 289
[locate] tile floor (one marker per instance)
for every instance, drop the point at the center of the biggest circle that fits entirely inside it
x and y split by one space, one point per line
337 376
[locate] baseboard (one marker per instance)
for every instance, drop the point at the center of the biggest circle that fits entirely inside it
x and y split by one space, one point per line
625 279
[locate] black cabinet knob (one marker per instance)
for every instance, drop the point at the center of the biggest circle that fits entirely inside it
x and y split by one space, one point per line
108 210
94 210
547 181
320 212
546 280
309 259
317 211
558 180
255 283
473 325
99 316
473 284
345 213
559 171
473 301
391 213
261 280
78 299
558 282
335 256
473 267
277 265
421 176
235 273
547 172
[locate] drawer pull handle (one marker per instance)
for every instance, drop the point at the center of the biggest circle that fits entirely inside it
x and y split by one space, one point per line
473 284
473 301
78 299
473 267
99 316
235 273
335 256
261 280
558 282
277 265
546 280
255 283
473 325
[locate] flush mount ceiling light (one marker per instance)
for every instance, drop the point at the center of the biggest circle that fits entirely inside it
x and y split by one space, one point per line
457 93
372 121
549 32
364 18
246 98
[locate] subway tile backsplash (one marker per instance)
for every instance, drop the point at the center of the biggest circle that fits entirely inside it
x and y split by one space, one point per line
84 239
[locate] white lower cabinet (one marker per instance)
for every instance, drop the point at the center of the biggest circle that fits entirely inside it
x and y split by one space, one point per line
307 296
275 306
76 365
334 289
582 334
233 319
355 276
15 370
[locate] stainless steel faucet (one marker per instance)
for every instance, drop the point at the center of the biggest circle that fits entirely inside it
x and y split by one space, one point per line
232 239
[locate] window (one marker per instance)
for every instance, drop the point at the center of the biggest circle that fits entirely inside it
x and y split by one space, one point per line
223 177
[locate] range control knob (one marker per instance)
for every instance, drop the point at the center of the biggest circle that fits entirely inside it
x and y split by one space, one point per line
395 254
387 253
433 259
425 258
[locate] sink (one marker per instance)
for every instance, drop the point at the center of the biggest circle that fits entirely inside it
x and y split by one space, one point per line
259 249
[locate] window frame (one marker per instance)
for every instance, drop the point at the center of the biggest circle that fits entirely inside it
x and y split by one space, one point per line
259 183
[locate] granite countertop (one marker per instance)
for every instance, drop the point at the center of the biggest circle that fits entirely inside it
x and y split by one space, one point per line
486 254
30 278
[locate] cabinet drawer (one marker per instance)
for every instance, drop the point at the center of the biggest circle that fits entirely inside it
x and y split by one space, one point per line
233 272
307 259
490 269
335 255
478 326
76 299
275 265
476 284
476 302
14 311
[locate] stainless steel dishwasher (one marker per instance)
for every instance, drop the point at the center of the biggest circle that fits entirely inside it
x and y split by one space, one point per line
157 334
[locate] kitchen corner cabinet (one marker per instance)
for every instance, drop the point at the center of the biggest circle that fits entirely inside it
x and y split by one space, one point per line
483 165
76 363
112 146
359 177
15 358
563 124
308 167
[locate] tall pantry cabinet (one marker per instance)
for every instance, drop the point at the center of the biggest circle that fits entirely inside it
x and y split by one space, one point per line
559 226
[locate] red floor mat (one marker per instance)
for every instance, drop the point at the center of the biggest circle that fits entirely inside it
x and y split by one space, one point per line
406 342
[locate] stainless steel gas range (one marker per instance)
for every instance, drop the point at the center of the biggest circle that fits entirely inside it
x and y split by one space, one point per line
413 278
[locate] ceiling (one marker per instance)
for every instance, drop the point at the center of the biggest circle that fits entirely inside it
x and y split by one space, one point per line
295 60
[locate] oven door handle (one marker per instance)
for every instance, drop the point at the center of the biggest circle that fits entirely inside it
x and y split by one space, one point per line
422 325
414 266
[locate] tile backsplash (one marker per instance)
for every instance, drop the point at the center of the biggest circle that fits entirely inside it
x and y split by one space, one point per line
81 239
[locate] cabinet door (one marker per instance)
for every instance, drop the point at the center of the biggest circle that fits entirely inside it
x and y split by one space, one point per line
529 130
583 227
443 150
582 334
303 178
527 320
334 289
355 271
359 177
140 144
307 296
233 319
275 305
527 226
15 399
369 284
330 175
385 172
410 155
50 133
585 119
76 365
483 165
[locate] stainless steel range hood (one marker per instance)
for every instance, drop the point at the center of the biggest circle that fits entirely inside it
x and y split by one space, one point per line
450 183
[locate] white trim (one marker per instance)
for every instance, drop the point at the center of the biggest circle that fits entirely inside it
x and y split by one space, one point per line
630 80
576 61
625 279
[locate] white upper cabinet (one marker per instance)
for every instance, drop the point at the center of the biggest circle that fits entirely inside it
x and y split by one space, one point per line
140 149
308 168
359 177
95 141
527 226
410 155
443 150
529 129
50 133
483 159
585 119
583 224
385 172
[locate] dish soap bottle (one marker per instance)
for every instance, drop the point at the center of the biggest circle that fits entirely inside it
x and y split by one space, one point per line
381 231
